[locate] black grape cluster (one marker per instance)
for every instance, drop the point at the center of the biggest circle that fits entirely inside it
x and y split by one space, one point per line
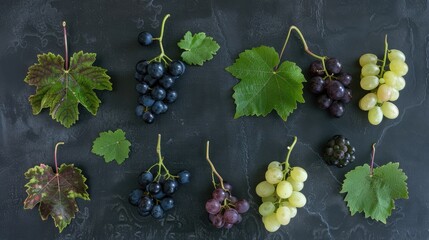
332 87
154 197
224 209
155 82
339 151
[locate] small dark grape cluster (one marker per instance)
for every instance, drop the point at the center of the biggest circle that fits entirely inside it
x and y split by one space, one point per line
339 152
332 87
224 209
155 82
154 197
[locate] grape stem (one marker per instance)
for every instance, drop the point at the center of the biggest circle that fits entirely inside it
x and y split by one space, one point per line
66 46
160 164
286 163
306 49
213 169
162 56
371 169
386 49
55 156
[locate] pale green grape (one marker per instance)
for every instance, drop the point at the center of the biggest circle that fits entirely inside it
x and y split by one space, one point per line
275 164
271 223
390 110
272 198
382 81
296 186
395 95
370 70
384 92
292 209
283 215
298 174
398 67
375 115
395 54
368 101
265 189
400 83
284 189
297 199
367 58
390 78
274 175
369 82
266 208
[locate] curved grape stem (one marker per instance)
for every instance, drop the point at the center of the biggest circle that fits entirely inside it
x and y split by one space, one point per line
386 49
286 163
160 163
214 169
371 169
306 49
55 156
162 56
66 67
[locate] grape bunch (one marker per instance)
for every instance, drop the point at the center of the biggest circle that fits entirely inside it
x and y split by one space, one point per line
281 193
156 79
223 208
339 151
331 85
155 195
384 84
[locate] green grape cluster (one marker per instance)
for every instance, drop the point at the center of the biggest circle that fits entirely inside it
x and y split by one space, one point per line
384 85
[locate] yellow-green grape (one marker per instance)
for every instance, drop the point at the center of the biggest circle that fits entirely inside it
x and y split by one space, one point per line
390 110
395 54
381 80
390 78
274 175
400 83
284 189
368 101
272 198
370 70
292 209
271 224
398 67
375 115
265 189
367 58
283 215
297 199
296 186
266 208
384 92
395 95
369 82
298 174
275 164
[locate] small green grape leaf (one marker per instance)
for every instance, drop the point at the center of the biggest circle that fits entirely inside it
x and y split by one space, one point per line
376 195
198 48
55 193
62 90
262 87
112 146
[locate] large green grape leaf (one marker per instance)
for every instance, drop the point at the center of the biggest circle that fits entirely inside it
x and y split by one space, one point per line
55 193
62 90
112 146
198 48
375 195
262 87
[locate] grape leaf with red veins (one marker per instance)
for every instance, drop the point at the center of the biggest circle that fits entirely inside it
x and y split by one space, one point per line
55 193
61 90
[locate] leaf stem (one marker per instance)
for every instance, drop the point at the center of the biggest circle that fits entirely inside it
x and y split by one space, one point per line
386 49
162 56
214 169
290 148
55 155
371 169
66 46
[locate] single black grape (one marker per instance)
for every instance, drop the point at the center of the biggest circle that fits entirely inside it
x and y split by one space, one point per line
154 187
171 96
157 212
142 88
146 100
135 197
176 68
170 186
324 101
146 204
148 117
160 195
336 109
184 177
158 93
155 69
316 68
345 79
166 81
150 80
317 84
333 66
167 203
335 90
145 38
145 178
141 67
139 110
157 107
347 96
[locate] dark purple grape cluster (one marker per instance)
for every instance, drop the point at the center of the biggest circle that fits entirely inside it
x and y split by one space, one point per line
224 209
155 197
333 89
339 152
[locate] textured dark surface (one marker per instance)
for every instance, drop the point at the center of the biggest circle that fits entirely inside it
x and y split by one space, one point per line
241 148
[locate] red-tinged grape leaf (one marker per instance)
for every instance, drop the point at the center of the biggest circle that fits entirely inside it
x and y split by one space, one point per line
112 146
55 193
262 87
375 195
62 90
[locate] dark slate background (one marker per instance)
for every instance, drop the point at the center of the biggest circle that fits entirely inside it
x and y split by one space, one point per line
241 148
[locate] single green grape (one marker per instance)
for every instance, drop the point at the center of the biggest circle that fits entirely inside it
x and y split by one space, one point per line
398 67
368 101
390 110
369 82
266 208
370 70
265 189
368 58
375 115
395 54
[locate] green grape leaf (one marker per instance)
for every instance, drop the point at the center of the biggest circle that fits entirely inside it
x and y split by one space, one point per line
263 87
55 193
112 146
198 48
376 195
62 90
